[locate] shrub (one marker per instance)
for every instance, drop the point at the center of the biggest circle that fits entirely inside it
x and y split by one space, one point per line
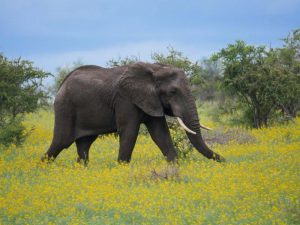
181 143
263 80
21 91
13 132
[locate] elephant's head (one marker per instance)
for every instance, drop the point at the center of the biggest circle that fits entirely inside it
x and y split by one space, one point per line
164 90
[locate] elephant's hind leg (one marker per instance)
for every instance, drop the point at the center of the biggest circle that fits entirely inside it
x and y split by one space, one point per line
63 136
54 150
83 145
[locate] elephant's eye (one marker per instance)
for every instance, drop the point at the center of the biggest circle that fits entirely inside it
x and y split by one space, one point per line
173 91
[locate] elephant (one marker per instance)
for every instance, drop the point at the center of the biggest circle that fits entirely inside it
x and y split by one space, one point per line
93 100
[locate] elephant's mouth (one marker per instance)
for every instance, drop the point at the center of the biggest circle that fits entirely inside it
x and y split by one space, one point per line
168 111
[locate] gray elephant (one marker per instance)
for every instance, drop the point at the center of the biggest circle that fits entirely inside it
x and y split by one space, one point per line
93 100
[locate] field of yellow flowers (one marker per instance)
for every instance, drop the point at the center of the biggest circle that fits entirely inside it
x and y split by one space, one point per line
259 183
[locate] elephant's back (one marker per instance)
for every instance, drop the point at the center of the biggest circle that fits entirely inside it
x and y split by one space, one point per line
82 69
87 84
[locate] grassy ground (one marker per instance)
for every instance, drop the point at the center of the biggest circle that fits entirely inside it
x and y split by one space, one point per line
259 183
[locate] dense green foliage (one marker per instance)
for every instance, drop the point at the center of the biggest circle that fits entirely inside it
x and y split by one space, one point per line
21 91
211 75
122 61
177 59
288 63
263 80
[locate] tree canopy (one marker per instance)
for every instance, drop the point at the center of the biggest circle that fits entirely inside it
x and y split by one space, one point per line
264 80
21 91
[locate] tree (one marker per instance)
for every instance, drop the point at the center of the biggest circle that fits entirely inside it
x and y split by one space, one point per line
287 60
210 89
122 61
243 78
177 59
21 91
260 79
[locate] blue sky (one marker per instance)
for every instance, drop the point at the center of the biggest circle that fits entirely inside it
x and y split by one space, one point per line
55 33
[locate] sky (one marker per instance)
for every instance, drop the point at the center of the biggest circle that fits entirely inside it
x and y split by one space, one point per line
55 33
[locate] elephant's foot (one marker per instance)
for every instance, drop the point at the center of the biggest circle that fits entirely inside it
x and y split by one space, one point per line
83 162
124 161
172 157
218 158
45 158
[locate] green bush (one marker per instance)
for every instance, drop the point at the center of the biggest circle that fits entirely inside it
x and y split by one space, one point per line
12 131
263 80
180 140
21 92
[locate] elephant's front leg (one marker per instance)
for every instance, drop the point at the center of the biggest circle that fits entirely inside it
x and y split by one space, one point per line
159 131
128 135
128 119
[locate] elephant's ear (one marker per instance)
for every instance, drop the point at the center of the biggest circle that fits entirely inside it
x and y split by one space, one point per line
137 84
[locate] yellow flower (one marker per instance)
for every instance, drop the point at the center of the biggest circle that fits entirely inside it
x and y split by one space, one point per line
258 184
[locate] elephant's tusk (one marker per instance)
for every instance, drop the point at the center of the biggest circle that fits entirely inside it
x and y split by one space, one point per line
184 126
204 127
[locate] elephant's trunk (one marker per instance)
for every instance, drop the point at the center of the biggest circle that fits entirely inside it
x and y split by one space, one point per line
190 119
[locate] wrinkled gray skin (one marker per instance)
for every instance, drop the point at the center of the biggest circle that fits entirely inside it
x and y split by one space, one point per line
93 100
